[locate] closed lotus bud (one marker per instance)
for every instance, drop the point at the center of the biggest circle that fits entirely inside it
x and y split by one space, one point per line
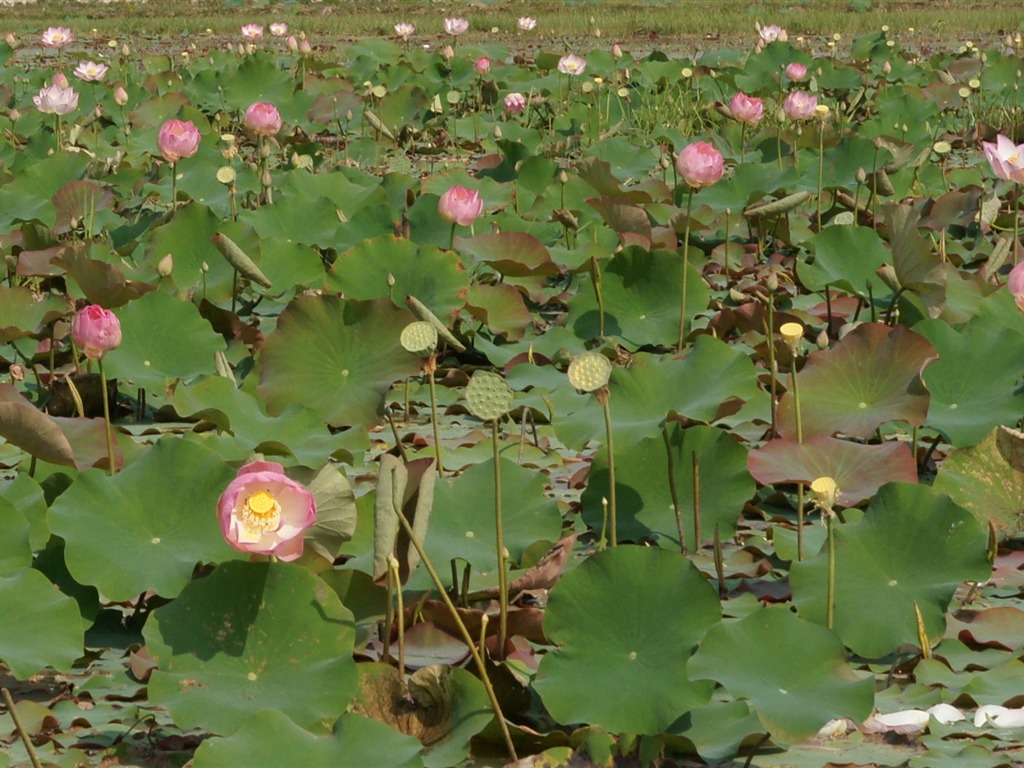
862 176
497 132
772 283
292 43
165 266
11 39
14 115
125 50
563 177
204 267
304 47
822 340
391 280
887 67
120 96
60 80
887 274
266 179
617 51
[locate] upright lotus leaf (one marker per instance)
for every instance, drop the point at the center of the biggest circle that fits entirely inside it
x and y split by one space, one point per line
644 494
859 469
28 428
643 394
630 221
390 267
870 377
988 479
337 357
248 637
512 254
146 528
21 314
410 488
463 526
162 339
101 281
640 290
501 308
792 672
271 740
887 562
846 257
187 238
918 268
335 510
41 626
626 621
78 203
966 407
15 551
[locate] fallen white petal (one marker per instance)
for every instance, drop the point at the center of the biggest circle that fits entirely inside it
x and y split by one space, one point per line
1012 718
984 715
833 729
907 721
946 714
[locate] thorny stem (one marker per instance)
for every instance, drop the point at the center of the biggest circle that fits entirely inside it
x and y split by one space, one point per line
429 369
399 613
830 602
106 420
672 490
795 387
602 398
500 545
696 501
686 265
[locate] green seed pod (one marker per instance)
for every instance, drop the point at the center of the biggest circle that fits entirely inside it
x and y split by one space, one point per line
590 371
488 396
420 338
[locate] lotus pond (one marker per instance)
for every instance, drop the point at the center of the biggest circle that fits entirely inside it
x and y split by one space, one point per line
645 424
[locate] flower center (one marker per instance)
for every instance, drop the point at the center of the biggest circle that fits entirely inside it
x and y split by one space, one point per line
261 512
1012 159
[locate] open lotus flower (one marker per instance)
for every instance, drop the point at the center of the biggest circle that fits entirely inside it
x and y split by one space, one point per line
460 205
263 119
800 105
55 100
769 33
572 64
1014 283
796 71
515 103
746 109
178 139
700 164
90 71
527 23
404 29
482 65
1006 158
57 37
96 331
455 26
252 31
279 29
265 512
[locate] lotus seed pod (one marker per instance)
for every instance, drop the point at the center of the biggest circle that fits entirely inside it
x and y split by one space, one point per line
824 491
590 371
420 338
791 334
488 396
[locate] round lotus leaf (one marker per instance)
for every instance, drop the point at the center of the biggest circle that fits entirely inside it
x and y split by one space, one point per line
488 396
420 338
590 371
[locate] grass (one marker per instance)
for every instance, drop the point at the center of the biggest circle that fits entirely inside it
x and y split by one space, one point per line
657 23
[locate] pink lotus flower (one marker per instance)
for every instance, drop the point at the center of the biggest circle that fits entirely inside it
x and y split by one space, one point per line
120 96
263 119
482 65
264 512
55 100
279 29
252 31
572 64
460 206
455 26
800 105
515 103
96 331
746 109
527 23
57 37
90 71
700 164
796 71
404 29
1006 158
1015 283
178 139
292 43
771 32
304 47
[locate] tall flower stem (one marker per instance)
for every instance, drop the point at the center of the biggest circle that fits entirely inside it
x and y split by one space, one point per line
500 545
602 397
795 387
821 166
686 269
428 369
394 578
467 638
672 491
106 420
830 599
174 185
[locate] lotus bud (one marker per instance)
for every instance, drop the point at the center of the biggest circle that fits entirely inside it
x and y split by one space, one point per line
265 180
887 67
304 47
617 51
292 43
391 280
822 340
120 96
563 177
772 283
17 372
165 266
497 132
887 274
204 267
265 151
60 80
13 115
11 39
791 334
862 176
125 50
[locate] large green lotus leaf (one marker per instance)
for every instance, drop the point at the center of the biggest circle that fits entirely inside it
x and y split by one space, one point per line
463 526
296 217
21 314
28 196
15 551
41 626
146 527
162 339
793 672
501 308
296 430
25 493
846 257
717 730
641 299
512 254
626 621
285 263
644 497
913 545
433 276
248 637
976 382
269 739
988 479
919 269
337 357
870 377
642 395
187 238
858 469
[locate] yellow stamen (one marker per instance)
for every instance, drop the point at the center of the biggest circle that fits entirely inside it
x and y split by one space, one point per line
260 513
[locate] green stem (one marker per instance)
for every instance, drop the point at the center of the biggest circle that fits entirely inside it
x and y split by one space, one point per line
686 265
672 491
830 603
467 638
595 270
821 166
399 615
602 398
22 733
438 450
500 544
106 420
174 185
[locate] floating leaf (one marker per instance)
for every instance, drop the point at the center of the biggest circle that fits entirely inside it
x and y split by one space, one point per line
886 563
793 673
609 620
338 357
41 626
870 377
248 637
